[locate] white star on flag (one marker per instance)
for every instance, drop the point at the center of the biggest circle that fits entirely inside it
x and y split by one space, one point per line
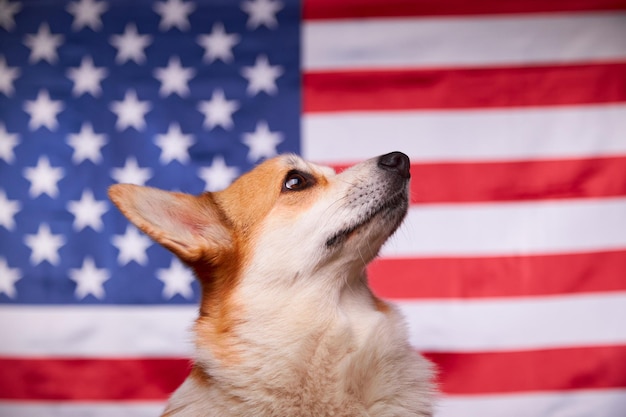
174 145
8 75
8 10
43 111
8 277
43 178
174 13
87 78
87 13
176 279
8 210
130 45
131 173
87 211
130 111
44 245
86 144
218 111
218 176
132 246
43 45
89 279
262 12
174 78
262 76
262 142
8 141
218 44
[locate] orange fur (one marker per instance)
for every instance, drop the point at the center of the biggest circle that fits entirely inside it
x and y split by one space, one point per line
381 305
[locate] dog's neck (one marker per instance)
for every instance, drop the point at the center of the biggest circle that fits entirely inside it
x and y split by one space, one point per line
310 349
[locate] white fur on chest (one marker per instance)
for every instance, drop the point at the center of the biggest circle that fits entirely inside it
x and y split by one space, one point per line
303 358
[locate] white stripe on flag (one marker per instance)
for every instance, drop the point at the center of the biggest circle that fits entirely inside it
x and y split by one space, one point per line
434 325
453 42
75 331
511 134
524 228
596 403
516 324
78 409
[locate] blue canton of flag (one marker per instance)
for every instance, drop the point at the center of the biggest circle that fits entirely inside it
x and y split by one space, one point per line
172 94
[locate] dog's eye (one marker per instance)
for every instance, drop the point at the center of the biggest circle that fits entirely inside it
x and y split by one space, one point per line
296 181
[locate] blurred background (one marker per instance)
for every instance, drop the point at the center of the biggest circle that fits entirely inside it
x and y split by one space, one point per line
510 267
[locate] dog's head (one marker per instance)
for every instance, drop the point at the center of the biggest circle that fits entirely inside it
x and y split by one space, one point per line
285 219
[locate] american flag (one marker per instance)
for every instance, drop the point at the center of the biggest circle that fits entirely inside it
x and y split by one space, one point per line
511 265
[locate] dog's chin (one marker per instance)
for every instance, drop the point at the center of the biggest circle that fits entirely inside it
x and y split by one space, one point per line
377 224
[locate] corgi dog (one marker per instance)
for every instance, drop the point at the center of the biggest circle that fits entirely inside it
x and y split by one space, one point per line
287 324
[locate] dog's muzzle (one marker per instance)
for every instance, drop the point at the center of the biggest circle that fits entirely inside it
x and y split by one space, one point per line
384 197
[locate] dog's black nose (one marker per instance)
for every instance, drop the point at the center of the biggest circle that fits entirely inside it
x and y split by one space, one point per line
397 162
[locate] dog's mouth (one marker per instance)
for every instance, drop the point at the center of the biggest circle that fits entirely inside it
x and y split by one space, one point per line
393 210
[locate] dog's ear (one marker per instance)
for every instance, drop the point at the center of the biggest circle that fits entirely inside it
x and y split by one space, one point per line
189 226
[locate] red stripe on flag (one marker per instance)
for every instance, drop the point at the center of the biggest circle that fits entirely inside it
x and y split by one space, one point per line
498 276
460 373
346 9
516 180
538 370
464 88
90 379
